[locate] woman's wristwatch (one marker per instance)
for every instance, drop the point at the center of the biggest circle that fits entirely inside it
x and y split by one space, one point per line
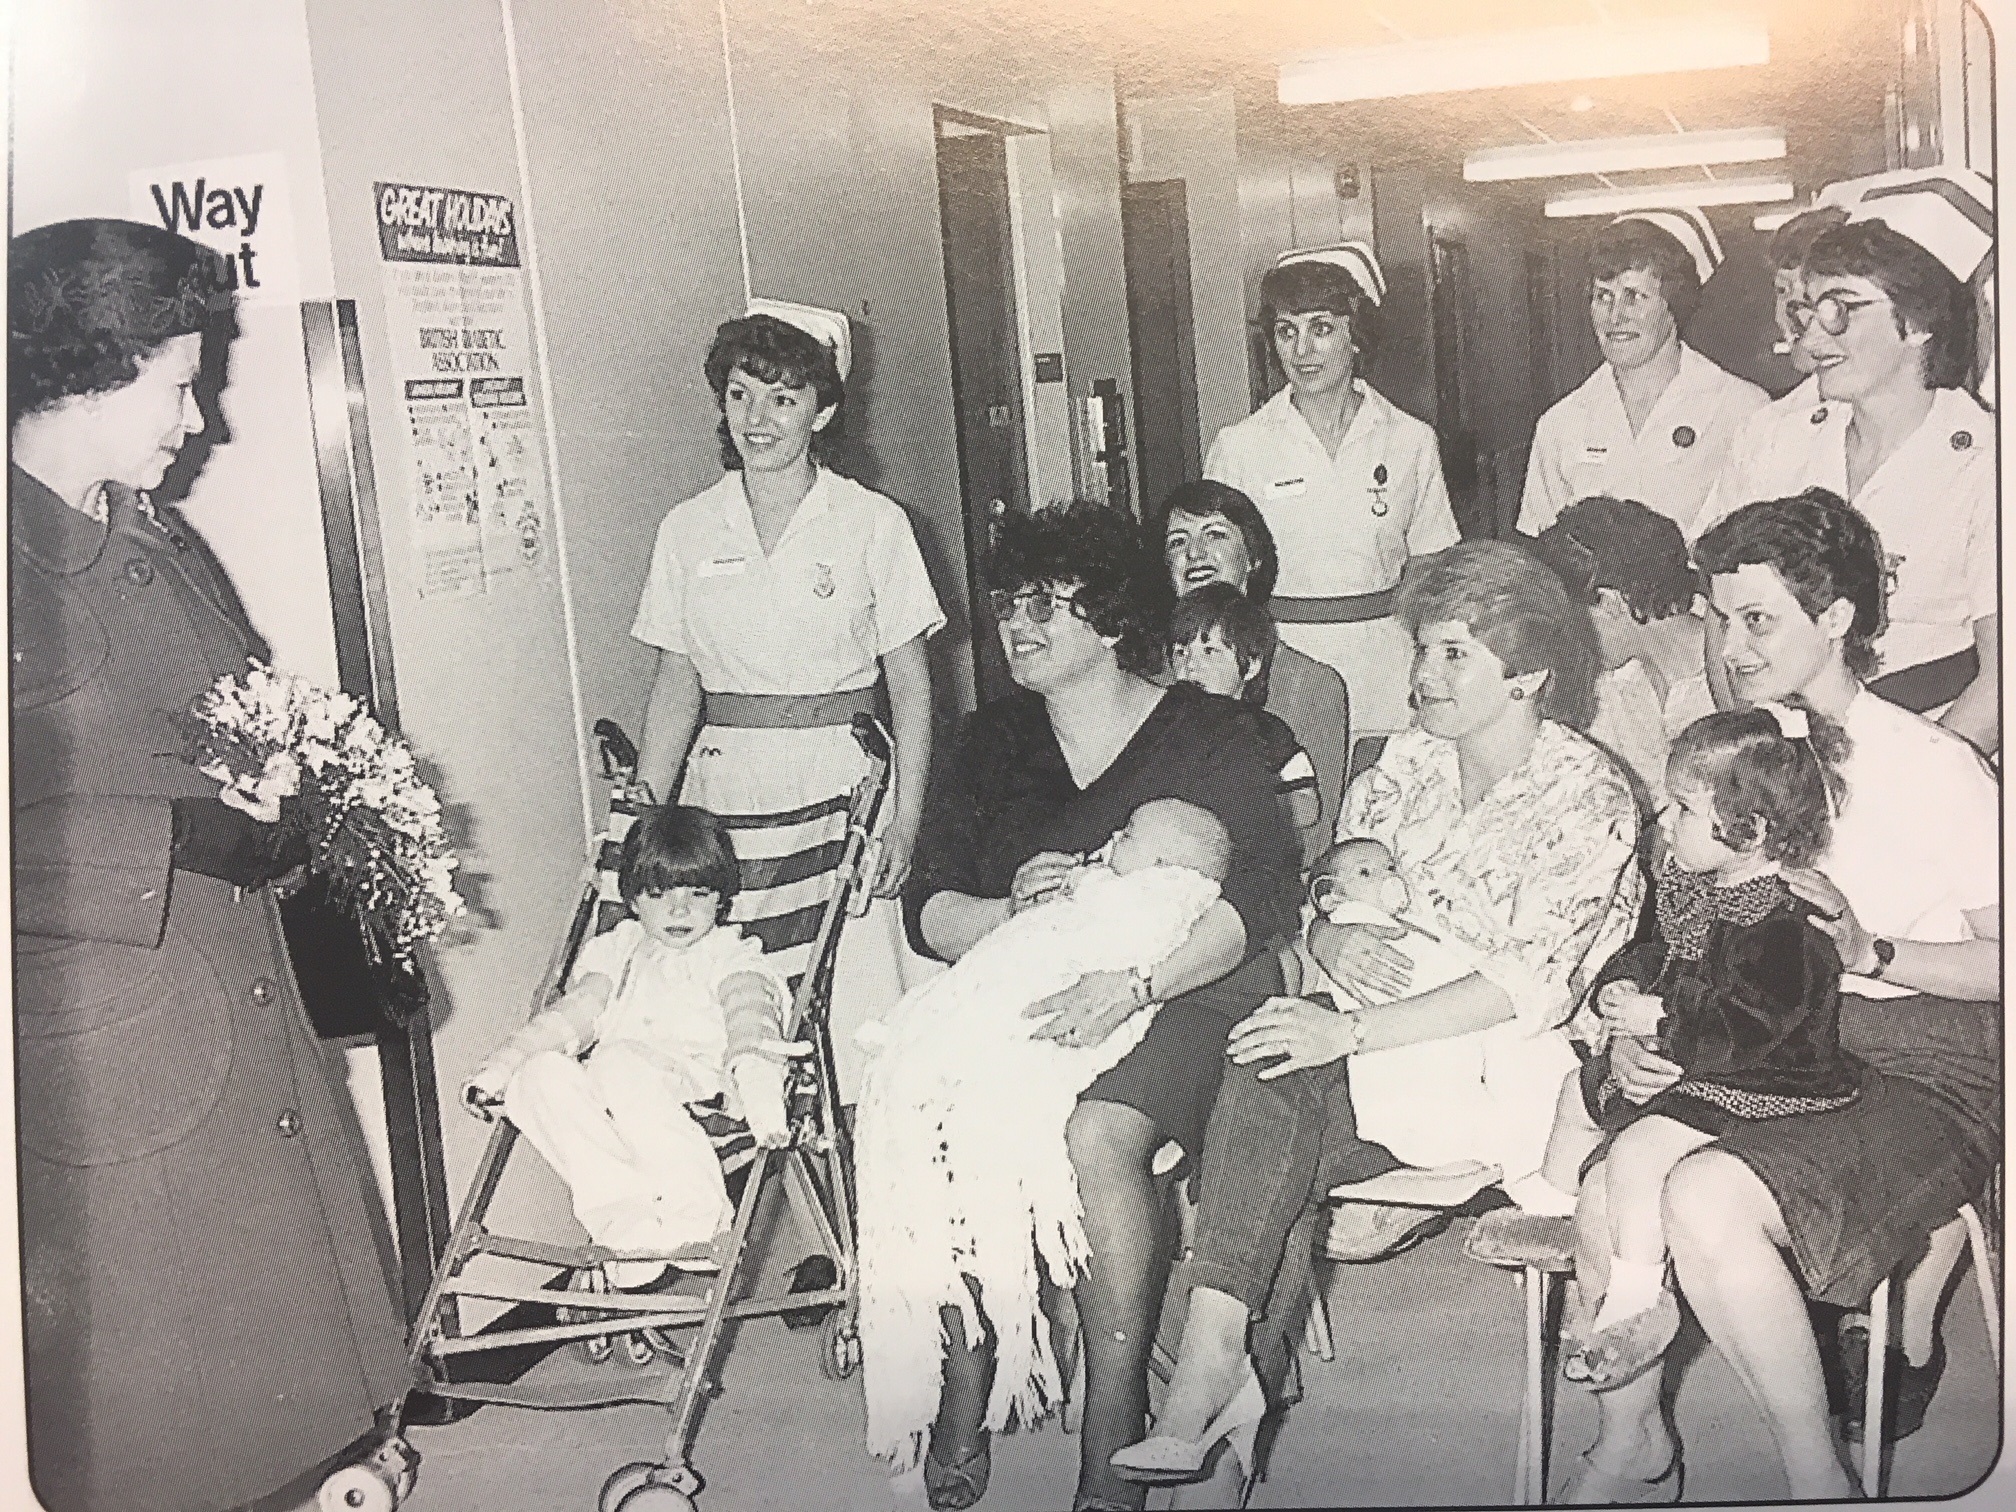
1357 1027
1885 952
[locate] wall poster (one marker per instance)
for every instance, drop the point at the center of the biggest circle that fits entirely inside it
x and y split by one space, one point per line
461 349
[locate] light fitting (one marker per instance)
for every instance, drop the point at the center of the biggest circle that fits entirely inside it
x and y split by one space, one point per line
1551 55
1658 196
1632 154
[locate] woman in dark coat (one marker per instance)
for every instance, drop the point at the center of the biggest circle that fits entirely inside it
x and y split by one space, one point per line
206 1311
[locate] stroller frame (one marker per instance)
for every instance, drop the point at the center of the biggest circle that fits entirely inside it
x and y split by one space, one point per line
815 1166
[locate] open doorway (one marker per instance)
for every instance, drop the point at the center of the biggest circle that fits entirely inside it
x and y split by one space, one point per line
1155 232
976 217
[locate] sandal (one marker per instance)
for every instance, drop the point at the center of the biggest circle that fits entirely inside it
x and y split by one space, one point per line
1609 1357
1593 1486
954 1486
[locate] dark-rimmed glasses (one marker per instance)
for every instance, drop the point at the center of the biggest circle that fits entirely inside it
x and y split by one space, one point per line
1041 604
1833 311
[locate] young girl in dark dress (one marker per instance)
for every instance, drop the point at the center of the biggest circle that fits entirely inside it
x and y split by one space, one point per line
1739 989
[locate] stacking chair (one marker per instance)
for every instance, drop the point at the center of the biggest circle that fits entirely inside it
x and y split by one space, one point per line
815 1168
1875 1386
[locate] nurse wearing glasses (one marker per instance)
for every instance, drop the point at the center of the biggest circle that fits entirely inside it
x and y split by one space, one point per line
1350 485
1887 320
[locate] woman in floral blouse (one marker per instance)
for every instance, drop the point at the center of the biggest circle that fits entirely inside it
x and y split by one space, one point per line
1515 836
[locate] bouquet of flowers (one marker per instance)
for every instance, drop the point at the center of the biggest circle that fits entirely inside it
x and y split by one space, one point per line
373 827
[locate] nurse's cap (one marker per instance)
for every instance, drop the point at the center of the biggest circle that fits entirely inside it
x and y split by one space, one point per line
1354 257
1688 227
1949 211
828 327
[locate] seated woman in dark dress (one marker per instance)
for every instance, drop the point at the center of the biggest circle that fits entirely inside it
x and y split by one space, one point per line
1034 781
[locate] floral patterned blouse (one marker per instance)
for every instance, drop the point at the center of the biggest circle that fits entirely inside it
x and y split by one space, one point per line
1539 876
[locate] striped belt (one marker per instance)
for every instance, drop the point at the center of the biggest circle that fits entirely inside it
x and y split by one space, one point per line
790 711
1349 609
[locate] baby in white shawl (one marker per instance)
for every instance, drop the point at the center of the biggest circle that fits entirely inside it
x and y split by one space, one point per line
1449 1107
960 1157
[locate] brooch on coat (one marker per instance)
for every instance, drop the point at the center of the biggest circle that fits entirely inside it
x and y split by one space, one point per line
1378 491
822 580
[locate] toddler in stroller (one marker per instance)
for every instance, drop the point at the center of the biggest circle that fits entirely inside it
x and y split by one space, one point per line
675 1010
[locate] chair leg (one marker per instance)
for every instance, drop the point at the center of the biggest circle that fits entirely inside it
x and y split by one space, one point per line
1873 1388
1529 1485
1316 1330
1984 1277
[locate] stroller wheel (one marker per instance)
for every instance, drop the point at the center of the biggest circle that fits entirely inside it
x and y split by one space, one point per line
657 1498
637 1351
621 1483
839 1345
355 1489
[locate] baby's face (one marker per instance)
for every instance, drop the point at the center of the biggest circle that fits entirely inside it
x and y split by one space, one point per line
1363 873
1138 844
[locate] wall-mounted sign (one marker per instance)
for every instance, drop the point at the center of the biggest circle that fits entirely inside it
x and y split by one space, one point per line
461 343
240 208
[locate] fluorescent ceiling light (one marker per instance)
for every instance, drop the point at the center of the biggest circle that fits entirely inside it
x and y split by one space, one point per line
1664 196
1632 154
1550 55
1771 220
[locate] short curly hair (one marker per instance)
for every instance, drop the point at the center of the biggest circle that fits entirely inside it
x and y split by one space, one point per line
1206 497
1512 602
1096 549
1768 791
1604 542
1302 287
775 351
1625 245
1822 550
1924 294
89 300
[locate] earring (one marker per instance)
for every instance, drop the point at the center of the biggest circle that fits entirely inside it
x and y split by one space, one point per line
1518 694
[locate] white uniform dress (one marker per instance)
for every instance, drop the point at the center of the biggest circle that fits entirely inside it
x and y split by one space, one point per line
642 1173
1344 526
1584 446
844 586
1932 503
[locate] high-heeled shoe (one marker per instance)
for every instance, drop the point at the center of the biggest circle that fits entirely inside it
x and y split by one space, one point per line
955 1484
1164 1460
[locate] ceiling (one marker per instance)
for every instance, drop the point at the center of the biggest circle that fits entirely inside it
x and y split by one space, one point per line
1831 62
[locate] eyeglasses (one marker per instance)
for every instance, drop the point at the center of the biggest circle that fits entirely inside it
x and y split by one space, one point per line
1041 604
1833 311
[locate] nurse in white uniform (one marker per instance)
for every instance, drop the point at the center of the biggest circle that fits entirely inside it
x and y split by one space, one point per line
1789 245
1655 421
1888 322
1350 485
778 600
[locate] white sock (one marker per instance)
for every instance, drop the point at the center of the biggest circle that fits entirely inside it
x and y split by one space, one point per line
1536 1194
1634 1286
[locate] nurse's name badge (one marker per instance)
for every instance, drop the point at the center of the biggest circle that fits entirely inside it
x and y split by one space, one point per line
1287 488
822 580
1378 491
731 566
1683 436
1595 456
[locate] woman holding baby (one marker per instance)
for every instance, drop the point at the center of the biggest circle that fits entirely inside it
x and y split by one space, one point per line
1035 781
1514 836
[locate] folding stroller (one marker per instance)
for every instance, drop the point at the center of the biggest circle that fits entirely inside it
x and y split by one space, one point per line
815 1168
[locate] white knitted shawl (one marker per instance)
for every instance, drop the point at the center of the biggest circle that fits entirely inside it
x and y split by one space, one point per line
960 1157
